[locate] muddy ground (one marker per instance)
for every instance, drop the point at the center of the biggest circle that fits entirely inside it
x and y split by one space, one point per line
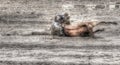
15 49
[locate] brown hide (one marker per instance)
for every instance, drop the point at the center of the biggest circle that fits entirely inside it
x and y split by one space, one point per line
81 29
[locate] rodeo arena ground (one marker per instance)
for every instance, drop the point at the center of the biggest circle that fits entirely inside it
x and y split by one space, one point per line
59 32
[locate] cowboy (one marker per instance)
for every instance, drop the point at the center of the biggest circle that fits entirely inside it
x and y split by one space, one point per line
58 24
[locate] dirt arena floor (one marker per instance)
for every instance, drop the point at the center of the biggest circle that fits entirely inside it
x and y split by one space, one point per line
18 49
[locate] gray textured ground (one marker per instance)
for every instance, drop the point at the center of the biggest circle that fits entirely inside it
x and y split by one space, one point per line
44 49
21 17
